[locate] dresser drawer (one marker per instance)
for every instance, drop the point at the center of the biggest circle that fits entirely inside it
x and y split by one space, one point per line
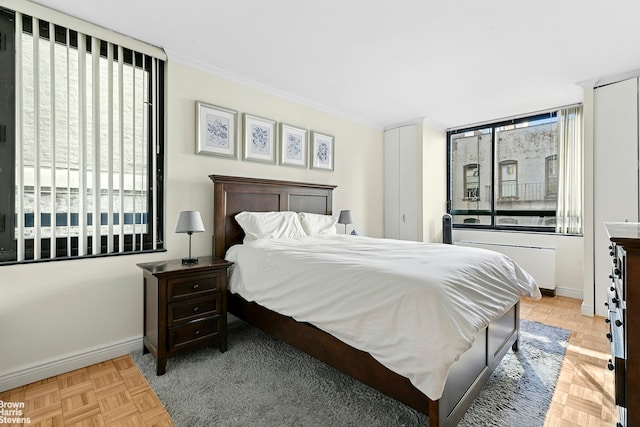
194 332
193 285
194 308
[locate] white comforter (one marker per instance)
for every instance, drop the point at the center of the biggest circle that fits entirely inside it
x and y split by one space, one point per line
414 307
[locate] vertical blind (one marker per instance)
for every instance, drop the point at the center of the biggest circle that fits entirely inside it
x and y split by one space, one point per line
570 183
88 149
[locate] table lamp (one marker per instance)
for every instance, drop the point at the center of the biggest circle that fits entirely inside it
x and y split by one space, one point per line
345 218
190 222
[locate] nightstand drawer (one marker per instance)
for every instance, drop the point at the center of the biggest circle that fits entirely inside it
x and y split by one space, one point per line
194 332
193 284
194 308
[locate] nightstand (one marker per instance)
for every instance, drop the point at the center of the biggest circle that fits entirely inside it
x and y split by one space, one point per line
185 306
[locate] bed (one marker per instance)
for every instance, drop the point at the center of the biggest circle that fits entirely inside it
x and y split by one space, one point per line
466 377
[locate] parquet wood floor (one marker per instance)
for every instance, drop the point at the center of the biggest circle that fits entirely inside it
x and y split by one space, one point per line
112 393
584 394
115 393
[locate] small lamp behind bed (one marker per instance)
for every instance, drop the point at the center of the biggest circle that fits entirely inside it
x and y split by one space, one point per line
190 222
345 218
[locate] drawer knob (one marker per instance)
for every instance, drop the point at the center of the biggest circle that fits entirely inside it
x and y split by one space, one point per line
614 300
196 308
607 320
609 336
610 365
196 286
618 323
198 332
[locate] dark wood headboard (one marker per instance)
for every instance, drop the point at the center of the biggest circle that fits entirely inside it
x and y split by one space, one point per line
232 195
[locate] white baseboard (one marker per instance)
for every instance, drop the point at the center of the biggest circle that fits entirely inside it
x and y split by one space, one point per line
69 362
569 293
587 310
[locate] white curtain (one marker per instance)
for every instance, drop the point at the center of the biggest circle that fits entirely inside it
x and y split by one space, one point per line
570 153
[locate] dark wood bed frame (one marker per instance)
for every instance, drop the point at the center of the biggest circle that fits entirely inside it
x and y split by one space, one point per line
468 375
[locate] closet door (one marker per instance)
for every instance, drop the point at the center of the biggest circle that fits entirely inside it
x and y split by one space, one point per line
402 209
409 171
615 172
392 184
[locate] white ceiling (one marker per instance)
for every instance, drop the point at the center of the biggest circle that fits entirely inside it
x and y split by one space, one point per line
455 62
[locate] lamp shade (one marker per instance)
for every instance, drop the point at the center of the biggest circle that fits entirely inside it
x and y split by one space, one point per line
190 222
345 217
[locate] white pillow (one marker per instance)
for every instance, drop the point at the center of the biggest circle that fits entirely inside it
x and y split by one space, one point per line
269 225
314 224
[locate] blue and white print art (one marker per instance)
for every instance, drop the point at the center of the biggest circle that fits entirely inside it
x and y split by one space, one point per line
216 130
323 155
322 151
293 146
259 139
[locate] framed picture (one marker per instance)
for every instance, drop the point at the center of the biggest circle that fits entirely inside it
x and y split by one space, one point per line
321 151
293 146
216 130
259 139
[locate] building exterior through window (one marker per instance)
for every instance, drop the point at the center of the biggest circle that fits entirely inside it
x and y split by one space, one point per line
505 174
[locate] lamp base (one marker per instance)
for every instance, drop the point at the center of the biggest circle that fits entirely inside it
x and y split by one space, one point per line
189 260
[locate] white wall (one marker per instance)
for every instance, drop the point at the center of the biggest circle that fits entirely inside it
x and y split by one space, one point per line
59 316
358 152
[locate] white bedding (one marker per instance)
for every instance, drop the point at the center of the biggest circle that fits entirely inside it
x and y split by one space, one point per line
414 307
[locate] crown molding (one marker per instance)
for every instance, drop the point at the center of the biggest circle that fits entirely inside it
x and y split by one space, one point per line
603 81
196 63
418 121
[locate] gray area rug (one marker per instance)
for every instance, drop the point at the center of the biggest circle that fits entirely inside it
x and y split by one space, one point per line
261 381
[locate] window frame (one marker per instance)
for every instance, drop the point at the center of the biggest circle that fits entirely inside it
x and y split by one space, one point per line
494 213
7 132
152 239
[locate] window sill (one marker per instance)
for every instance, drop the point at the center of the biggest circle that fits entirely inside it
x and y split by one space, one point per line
43 260
523 230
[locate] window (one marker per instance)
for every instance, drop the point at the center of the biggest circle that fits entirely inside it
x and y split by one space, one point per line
513 165
85 143
508 180
471 182
551 176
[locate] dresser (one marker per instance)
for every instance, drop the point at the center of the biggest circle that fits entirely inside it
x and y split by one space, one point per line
185 306
623 317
